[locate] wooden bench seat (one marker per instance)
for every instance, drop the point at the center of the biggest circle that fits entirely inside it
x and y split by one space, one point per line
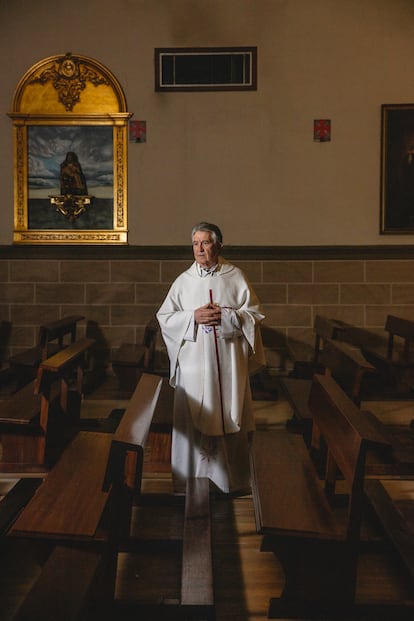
304 525
22 433
26 433
85 503
53 336
71 500
22 407
392 502
66 588
16 499
298 523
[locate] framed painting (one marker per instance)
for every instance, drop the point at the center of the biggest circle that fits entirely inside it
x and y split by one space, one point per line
397 169
70 183
70 154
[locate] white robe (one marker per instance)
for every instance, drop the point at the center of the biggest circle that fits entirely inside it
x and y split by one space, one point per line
210 373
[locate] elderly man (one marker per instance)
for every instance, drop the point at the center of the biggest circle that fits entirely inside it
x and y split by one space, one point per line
210 324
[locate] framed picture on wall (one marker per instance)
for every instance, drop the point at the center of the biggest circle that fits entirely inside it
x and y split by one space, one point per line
70 154
397 169
70 183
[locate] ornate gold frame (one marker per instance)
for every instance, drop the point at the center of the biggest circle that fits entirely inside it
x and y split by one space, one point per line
45 99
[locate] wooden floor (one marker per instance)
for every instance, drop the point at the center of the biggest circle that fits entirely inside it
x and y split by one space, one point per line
244 577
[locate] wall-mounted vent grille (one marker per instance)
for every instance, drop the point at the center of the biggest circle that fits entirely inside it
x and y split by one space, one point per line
205 69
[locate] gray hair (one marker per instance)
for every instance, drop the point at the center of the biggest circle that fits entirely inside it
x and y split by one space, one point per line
210 228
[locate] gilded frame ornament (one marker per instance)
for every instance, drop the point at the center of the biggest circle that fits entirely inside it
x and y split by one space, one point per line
70 128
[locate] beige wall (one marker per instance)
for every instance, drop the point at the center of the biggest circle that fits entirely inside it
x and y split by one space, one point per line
246 160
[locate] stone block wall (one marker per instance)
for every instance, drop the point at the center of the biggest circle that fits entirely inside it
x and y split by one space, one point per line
119 295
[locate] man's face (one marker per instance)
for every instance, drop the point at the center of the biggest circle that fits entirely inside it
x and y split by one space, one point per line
206 252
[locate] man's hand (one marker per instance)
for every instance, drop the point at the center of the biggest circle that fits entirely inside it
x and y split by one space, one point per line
208 315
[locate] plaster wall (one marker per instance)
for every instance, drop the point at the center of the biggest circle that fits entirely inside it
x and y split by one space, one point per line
245 160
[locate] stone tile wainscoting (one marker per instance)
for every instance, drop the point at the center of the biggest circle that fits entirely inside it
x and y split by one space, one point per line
118 290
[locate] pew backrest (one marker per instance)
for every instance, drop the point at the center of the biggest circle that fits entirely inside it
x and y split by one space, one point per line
325 328
52 338
404 329
347 365
307 358
58 330
132 433
332 412
66 358
24 416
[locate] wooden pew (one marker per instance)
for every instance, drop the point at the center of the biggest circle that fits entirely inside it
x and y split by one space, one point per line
67 588
392 502
52 337
72 508
391 354
395 456
68 366
306 358
84 512
391 449
159 457
301 523
25 431
346 365
395 362
17 498
131 359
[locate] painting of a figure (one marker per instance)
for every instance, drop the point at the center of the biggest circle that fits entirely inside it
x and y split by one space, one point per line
397 169
71 161
72 179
